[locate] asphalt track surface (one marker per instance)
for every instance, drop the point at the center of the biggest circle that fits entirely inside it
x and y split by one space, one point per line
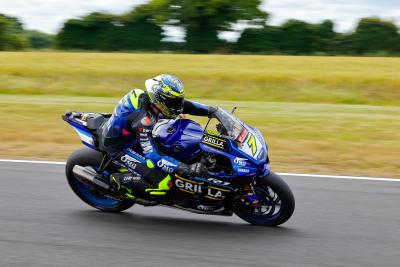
336 223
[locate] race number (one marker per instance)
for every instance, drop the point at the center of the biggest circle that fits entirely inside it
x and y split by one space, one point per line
252 144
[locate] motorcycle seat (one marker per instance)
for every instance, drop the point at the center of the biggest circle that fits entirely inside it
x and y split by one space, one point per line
95 121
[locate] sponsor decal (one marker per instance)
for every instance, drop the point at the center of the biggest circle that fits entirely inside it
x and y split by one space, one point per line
243 135
243 170
240 161
131 178
210 208
143 130
218 182
214 141
146 145
130 150
206 208
214 193
127 158
129 161
189 186
147 149
166 166
194 187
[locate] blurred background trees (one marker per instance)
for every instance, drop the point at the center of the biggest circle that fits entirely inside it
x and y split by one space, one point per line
39 40
204 20
144 29
11 34
375 35
100 31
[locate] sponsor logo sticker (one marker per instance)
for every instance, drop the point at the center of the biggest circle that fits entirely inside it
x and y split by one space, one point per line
214 141
197 188
129 161
218 182
130 150
240 161
243 170
166 166
243 135
206 208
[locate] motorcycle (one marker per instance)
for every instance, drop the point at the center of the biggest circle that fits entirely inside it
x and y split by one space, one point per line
238 180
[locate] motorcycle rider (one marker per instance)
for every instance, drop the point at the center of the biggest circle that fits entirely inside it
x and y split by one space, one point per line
133 120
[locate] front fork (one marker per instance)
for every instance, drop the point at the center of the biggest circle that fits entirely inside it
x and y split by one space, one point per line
248 195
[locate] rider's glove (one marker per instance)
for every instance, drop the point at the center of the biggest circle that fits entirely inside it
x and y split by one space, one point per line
195 169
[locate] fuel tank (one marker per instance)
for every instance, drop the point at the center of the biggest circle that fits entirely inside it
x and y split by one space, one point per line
179 138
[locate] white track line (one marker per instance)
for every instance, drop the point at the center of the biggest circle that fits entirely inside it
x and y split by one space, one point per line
32 161
283 174
341 177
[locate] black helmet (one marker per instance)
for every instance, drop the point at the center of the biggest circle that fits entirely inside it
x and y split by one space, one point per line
166 94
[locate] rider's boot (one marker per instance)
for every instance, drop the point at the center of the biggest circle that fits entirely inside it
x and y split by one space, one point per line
128 184
159 186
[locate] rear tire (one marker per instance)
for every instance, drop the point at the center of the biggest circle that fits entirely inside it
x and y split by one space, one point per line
284 196
86 157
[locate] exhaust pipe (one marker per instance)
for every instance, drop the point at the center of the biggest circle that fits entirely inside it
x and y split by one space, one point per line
87 176
84 175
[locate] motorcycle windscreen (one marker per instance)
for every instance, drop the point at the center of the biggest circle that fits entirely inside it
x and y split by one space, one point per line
252 144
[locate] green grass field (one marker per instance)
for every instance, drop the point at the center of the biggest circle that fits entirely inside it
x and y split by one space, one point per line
321 136
343 80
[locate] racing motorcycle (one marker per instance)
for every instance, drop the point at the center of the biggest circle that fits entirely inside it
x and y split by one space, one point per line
238 180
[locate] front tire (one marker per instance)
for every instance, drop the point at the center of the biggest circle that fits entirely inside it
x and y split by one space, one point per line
276 202
86 157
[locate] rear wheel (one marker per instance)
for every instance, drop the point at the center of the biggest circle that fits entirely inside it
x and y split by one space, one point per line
272 204
89 158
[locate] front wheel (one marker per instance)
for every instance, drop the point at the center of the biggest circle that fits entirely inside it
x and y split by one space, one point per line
272 203
89 158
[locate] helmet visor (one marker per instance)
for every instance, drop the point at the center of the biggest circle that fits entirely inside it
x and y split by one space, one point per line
171 106
176 105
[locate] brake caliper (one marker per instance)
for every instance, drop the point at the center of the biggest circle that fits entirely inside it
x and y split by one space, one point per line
251 197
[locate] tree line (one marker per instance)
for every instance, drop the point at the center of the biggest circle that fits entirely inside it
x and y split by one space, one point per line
142 29
14 37
371 36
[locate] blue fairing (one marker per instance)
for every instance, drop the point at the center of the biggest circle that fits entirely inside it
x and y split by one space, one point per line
85 135
179 138
182 139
